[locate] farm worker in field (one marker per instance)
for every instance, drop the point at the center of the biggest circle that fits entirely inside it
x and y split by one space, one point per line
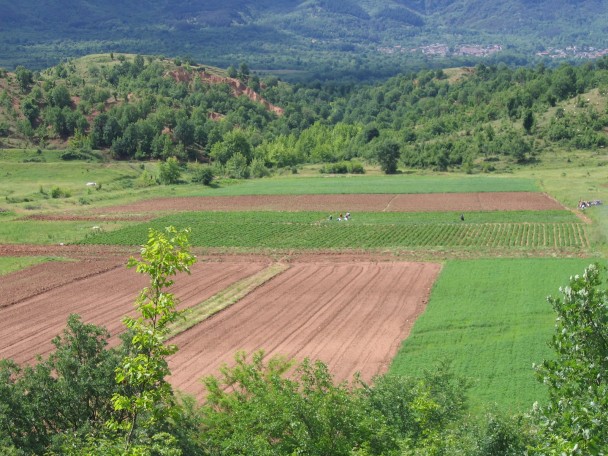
331 217
462 217
347 216
340 217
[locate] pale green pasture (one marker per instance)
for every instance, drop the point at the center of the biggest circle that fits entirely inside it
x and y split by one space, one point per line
491 320
11 264
571 177
35 181
358 184
15 231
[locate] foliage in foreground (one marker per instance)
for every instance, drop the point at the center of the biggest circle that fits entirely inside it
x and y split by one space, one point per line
576 419
144 369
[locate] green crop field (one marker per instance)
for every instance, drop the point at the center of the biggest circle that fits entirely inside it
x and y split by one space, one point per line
311 230
296 185
490 318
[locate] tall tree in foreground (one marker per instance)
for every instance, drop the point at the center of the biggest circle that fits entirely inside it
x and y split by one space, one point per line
576 420
144 370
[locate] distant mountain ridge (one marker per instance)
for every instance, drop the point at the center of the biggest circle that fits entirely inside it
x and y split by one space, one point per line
34 31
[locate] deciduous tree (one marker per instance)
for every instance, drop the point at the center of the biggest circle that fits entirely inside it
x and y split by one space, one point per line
576 419
143 372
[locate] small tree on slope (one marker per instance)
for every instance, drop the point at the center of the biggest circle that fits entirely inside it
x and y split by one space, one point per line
145 368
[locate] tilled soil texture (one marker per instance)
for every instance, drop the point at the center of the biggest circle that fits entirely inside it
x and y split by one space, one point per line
36 302
352 316
431 202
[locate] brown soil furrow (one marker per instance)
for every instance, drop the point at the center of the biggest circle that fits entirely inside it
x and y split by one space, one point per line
103 299
42 278
352 316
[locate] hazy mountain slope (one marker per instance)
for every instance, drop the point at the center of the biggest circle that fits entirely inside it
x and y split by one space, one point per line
288 33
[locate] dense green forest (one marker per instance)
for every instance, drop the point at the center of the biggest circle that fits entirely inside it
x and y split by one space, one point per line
475 119
86 398
332 39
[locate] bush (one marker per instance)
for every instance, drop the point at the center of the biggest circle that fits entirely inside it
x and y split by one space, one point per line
72 154
343 167
236 167
258 168
202 174
356 168
145 179
58 192
4 129
334 168
170 171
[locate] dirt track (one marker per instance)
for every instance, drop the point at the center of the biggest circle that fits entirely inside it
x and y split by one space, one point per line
353 316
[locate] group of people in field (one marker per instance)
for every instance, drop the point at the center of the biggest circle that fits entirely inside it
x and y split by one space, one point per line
341 217
583 204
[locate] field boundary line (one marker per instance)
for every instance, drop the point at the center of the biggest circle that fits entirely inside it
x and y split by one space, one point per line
225 298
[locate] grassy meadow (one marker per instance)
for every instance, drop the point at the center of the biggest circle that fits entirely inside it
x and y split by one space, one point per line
28 177
490 318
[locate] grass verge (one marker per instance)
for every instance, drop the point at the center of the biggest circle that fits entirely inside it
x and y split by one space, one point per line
237 291
12 264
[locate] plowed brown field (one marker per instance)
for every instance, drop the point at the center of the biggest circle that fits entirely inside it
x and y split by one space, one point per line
34 308
352 313
352 316
496 201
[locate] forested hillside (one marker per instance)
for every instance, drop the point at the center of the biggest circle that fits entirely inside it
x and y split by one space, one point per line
320 38
474 119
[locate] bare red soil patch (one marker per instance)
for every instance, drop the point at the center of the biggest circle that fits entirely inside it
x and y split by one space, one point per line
347 310
30 323
365 202
353 316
